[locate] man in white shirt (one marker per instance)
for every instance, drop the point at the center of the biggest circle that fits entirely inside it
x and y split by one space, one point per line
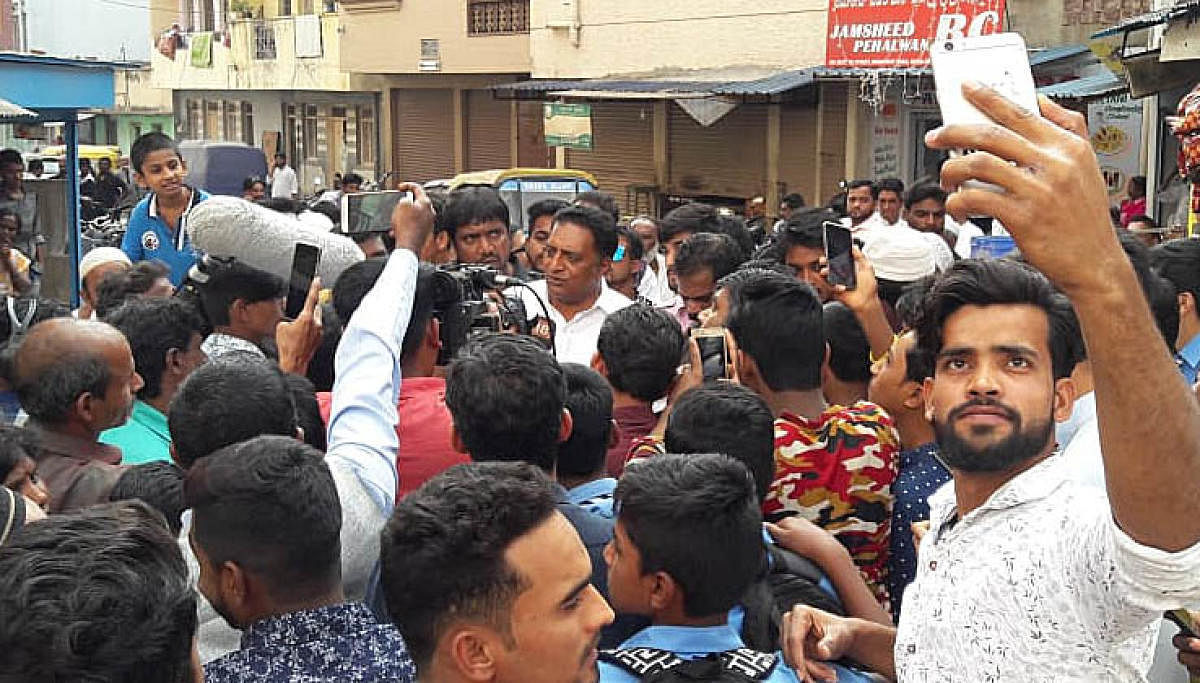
860 205
1023 573
577 257
925 212
283 179
654 285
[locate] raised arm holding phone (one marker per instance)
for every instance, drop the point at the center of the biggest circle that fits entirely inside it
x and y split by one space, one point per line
1022 574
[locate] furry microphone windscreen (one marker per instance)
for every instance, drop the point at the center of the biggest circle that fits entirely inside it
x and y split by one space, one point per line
265 239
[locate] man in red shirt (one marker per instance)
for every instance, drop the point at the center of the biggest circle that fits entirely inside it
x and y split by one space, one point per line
424 428
834 465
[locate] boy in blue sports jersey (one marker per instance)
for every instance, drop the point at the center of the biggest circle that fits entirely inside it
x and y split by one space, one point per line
156 226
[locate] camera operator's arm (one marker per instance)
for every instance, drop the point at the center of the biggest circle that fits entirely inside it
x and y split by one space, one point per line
367 366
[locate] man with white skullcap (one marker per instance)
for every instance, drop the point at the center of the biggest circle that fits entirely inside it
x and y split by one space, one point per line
96 264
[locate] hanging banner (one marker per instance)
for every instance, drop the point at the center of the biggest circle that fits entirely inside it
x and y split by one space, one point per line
568 125
1115 124
897 33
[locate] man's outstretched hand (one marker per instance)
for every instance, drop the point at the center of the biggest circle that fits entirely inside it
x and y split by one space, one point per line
412 219
1055 202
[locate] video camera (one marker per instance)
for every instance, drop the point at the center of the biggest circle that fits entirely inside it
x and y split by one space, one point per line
468 303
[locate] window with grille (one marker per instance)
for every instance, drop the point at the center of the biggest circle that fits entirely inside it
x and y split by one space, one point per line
264 40
497 17
366 136
310 130
248 124
231 122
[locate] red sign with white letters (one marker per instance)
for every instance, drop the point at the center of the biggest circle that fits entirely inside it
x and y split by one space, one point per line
898 33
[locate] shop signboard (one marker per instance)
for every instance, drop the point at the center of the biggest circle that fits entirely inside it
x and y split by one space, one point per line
896 34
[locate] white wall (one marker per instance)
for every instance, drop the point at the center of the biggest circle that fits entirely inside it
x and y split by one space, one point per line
90 28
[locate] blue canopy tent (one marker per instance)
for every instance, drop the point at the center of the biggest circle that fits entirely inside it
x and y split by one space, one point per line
38 88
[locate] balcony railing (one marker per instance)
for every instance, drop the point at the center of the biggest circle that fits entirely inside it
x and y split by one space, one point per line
264 40
497 17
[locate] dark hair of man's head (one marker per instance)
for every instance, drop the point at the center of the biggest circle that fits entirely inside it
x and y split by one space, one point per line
544 207
352 179
97 594
1000 282
1138 184
11 156
681 512
7 211
16 444
849 350
308 410
728 419
692 217
793 200
1159 292
250 182
147 144
442 553
590 400
735 228
506 395
718 254
472 205
1179 262
226 401
153 327
280 155
157 484
232 280
356 281
911 302
123 285
595 221
636 250
777 321
641 347
920 193
855 184
805 228
599 200
890 185
270 506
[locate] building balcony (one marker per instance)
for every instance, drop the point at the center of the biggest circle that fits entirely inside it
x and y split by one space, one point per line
282 53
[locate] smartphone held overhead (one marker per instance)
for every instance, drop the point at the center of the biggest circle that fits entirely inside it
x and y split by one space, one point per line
304 268
370 211
839 252
999 61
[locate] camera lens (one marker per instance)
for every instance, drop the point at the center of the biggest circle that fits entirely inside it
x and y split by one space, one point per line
949 46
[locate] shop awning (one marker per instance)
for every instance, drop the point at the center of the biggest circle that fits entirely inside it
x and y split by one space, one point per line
738 83
1055 54
1084 88
15 112
1136 23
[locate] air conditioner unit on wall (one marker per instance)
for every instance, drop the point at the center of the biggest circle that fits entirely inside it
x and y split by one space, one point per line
562 14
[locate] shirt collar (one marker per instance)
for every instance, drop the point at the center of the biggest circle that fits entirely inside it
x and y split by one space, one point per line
591 489
610 300
1035 483
1191 353
180 238
686 639
148 416
310 625
74 447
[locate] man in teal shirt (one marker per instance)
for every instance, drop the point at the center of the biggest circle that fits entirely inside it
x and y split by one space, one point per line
164 336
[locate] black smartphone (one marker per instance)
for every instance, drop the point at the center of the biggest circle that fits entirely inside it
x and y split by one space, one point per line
714 354
838 246
304 268
1183 619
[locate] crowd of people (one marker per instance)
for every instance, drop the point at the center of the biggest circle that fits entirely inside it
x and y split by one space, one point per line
959 469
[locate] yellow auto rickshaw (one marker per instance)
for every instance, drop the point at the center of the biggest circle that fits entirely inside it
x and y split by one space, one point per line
521 188
94 153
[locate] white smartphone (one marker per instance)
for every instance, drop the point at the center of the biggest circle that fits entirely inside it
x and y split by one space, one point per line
999 61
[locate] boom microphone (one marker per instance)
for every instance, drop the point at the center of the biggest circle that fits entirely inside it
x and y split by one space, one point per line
265 239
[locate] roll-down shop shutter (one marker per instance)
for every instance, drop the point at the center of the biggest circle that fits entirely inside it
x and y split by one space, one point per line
727 159
489 132
622 154
423 134
835 98
798 155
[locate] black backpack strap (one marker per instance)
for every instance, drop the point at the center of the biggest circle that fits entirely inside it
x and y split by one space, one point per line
751 663
641 661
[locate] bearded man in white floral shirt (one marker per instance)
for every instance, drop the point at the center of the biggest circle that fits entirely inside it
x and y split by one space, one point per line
1024 575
